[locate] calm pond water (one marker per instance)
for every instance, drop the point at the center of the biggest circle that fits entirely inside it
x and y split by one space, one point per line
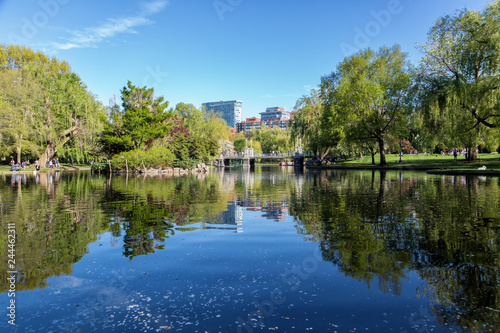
248 251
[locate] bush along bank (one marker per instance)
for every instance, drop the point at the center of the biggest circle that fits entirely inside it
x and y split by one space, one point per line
103 167
153 161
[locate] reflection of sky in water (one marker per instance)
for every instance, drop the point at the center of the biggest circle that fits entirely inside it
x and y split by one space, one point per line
211 277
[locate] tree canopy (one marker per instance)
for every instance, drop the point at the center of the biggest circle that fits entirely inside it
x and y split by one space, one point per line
41 98
460 74
366 98
308 125
142 119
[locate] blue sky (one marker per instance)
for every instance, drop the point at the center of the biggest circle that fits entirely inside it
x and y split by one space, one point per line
265 53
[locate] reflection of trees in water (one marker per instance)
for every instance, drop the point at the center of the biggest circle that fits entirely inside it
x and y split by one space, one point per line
148 210
55 221
380 225
462 247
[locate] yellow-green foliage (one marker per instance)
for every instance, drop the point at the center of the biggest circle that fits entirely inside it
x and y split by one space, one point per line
138 159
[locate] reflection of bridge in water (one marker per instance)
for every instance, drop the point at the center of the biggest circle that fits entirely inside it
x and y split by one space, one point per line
248 157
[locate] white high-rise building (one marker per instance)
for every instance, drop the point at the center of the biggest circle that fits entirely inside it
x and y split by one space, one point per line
230 111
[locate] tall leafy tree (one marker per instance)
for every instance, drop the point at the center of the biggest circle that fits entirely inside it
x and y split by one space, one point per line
145 117
367 95
65 109
271 139
307 125
20 99
461 73
207 131
142 119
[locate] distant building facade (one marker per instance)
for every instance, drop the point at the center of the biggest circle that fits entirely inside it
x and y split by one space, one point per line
249 125
230 111
272 117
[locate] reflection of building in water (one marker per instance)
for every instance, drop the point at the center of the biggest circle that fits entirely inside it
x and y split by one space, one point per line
228 219
273 210
233 215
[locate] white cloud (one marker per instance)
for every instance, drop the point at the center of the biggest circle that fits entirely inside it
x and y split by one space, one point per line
91 36
154 7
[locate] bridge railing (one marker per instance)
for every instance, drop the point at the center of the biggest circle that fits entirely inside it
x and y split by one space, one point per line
276 155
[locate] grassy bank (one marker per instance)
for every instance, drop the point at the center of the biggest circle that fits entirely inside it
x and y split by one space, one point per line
432 161
5 169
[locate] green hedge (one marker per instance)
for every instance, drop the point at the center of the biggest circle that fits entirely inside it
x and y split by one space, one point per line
140 159
100 167
189 163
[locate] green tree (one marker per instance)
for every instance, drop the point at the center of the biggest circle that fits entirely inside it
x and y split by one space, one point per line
142 119
65 109
308 125
271 139
144 116
461 73
366 97
239 145
207 131
20 96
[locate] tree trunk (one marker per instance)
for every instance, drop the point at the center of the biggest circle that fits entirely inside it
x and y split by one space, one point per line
472 154
18 149
382 151
373 152
323 155
51 149
49 152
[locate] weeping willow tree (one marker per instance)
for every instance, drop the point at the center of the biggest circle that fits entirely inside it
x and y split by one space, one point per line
20 97
308 125
461 75
58 114
367 97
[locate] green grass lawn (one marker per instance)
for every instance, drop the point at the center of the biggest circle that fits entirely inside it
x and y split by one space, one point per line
491 161
6 168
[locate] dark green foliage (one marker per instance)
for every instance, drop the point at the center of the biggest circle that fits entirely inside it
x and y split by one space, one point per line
189 163
100 167
439 148
484 148
142 120
396 149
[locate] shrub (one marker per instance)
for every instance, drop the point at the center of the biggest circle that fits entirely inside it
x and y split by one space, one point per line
189 163
100 167
139 159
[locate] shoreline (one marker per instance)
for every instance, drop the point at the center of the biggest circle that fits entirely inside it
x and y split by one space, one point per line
429 170
30 170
